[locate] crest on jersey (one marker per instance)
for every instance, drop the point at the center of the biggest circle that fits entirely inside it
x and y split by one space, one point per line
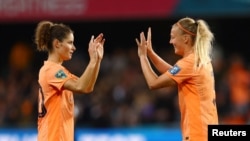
61 74
174 70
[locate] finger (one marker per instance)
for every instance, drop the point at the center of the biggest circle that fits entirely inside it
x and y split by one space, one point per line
149 34
137 41
102 42
91 39
99 46
142 37
99 37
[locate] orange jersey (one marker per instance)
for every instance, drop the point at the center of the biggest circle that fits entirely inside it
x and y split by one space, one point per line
55 105
196 98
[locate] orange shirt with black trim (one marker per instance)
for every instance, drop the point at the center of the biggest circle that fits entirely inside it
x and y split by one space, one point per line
55 104
197 97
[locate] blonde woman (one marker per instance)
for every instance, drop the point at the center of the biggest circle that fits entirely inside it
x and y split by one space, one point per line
193 74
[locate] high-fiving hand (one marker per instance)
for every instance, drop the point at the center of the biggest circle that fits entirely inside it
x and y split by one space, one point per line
144 44
96 45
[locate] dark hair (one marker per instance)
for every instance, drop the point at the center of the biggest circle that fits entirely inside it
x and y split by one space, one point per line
47 31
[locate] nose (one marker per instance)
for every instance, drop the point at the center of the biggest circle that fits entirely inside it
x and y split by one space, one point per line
73 48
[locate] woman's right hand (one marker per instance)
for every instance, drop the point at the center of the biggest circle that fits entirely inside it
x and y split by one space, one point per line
96 50
145 44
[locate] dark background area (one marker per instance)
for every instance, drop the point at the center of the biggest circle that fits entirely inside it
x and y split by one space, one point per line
231 34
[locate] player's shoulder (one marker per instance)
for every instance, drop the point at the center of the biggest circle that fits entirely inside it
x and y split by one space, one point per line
50 68
187 61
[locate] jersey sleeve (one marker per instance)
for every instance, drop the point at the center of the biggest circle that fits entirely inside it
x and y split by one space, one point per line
57 77
181 71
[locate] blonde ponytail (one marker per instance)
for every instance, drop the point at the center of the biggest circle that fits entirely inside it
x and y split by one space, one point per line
203 44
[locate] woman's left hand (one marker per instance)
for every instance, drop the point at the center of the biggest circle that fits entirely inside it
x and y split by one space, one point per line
142 45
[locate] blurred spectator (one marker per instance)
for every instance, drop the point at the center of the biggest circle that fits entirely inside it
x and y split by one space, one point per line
239 89
19 83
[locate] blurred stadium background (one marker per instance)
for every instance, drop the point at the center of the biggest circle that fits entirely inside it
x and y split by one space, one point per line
121 106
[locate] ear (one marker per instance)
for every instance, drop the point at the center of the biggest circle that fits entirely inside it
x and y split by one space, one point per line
186 38
56 43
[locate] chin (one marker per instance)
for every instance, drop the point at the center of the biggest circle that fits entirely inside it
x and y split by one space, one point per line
69 57
66 59
176 52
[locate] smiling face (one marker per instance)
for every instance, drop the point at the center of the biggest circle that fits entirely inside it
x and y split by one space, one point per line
177 40
66 47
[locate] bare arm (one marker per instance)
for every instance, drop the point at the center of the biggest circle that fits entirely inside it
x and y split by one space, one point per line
85 83
153 81
157 61
100 52
161 65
